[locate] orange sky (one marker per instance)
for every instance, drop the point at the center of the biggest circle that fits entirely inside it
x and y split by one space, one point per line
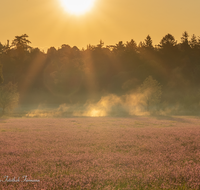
47 24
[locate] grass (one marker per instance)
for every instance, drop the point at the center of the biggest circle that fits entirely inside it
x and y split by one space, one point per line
101 153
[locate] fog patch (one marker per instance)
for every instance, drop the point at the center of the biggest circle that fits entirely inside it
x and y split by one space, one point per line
100 109
132 104
42 111
113 105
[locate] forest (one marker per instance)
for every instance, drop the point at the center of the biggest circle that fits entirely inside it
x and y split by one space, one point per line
75 76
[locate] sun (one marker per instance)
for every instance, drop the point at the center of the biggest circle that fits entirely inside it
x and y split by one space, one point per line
77 7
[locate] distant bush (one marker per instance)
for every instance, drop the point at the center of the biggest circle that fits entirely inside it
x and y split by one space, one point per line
9 96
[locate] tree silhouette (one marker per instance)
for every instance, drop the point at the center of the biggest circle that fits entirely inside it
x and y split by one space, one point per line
119 47
148 42
4 48
185 42
193 42
21 43
131 46
184 38
100 45
167 42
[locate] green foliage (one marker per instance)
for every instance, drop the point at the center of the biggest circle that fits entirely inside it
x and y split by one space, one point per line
8 96
152 91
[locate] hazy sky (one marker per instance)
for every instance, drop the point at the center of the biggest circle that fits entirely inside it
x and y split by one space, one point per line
48 24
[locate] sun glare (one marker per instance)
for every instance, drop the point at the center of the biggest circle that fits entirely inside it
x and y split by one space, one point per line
77 7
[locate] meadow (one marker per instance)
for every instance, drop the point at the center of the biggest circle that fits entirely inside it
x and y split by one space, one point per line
100 153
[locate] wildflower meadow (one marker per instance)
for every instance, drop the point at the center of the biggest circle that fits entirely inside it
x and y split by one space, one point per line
100 153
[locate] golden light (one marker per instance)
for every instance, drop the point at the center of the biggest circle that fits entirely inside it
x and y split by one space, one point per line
77 7
96 113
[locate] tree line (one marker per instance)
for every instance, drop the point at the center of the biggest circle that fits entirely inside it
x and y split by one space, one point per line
72 75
